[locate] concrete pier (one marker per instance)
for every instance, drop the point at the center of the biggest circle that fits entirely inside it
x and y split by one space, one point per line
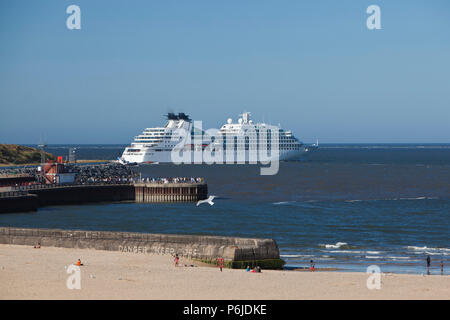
236 252
170 192
77 194
18 202
31 197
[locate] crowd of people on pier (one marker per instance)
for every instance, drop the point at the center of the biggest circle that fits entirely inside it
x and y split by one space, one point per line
17 171
104 173
111 173
172 180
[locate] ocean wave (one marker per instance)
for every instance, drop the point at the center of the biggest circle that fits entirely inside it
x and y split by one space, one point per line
392 258
426 249
308 257
394 199
418 198
437 253
347 251
358 252
397 258
301 202
283 202
338 245
296 255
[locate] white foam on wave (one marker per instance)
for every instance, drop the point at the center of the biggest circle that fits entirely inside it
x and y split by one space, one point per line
334 246
397 258
418 198
436 253
295 255
346 251
426 249
392 199
355 252
283 202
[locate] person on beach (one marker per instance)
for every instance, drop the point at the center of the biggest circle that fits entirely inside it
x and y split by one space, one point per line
428 264
176 260
312 267
220 263
248 269
79 263
38 246
442 267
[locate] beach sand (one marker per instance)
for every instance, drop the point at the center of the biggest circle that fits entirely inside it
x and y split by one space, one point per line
27 273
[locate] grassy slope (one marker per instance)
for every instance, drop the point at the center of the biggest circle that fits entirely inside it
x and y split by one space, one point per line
15 154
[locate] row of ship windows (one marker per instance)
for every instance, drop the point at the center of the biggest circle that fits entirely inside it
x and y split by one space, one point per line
241 145
224 148
281 139
193 132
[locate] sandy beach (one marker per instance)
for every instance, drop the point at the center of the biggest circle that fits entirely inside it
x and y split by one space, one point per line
28 273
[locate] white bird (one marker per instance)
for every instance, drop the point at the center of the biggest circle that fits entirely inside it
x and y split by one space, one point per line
209 200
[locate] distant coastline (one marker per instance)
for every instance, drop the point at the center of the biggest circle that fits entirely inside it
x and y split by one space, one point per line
38 163
13 154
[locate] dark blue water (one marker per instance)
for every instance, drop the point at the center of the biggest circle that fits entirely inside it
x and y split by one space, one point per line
346 206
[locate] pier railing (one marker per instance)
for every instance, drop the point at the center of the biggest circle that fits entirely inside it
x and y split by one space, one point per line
104 183
52 186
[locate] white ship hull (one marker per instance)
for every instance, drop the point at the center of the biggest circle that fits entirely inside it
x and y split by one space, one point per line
150 156
240 143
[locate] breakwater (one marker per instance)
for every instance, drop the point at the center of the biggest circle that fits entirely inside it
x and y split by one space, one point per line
173 192
236 252
18 202
32 197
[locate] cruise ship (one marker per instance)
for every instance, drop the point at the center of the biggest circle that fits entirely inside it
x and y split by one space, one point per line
238 142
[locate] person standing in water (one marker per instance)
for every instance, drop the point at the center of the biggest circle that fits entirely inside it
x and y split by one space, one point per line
442 268
428 264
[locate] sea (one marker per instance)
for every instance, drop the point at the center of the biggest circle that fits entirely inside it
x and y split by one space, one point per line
345 206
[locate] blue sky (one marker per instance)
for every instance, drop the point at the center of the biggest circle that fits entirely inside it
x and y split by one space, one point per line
312 66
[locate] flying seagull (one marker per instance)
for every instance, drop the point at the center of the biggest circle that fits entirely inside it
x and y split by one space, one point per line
209 200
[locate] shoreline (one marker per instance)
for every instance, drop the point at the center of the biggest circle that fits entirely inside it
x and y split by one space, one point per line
12 165
28 273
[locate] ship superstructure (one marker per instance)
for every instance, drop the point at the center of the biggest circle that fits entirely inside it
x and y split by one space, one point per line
243 141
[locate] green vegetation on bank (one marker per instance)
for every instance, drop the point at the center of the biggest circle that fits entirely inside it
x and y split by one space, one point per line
12 154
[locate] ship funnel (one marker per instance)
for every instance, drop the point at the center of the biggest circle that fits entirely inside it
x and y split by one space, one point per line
246 117
183 116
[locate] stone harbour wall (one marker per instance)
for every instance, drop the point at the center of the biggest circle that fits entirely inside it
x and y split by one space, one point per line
237 252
